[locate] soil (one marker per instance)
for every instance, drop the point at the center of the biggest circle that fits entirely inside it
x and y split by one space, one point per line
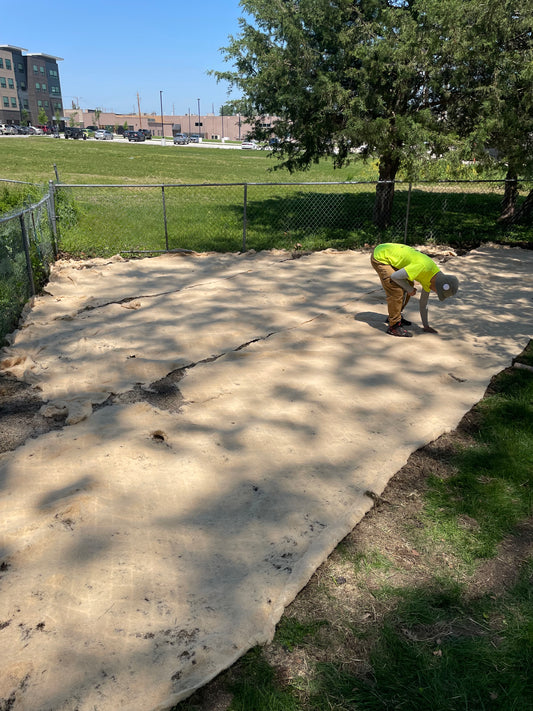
335 592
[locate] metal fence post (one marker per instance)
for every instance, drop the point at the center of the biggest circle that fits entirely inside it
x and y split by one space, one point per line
407 213
165 216
52 215
26 244
245 201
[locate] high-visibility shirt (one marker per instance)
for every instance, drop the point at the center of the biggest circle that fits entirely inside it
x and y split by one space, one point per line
419 267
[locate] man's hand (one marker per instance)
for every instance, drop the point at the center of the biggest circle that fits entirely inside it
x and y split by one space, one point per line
428 329
412 293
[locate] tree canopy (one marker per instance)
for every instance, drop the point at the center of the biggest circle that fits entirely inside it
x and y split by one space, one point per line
396 79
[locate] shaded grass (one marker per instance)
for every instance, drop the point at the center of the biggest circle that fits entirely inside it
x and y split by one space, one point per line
492 486
437 652
211 218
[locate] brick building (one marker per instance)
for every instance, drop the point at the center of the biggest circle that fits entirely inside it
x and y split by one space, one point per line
233 128
29 83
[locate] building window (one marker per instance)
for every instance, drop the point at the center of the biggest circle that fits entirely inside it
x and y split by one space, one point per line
43 87
13 102
41 69
1 63
23 85
6 102
46 104
37 86
35 68
20 67
53 73
3 82
8 64
26 104
11 83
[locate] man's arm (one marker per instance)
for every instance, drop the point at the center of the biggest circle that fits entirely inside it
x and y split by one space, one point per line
401 278
423 305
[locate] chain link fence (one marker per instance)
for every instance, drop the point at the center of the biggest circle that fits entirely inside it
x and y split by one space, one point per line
27 249
101 220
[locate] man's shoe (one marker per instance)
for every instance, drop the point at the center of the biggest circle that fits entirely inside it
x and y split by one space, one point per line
403 322
398 330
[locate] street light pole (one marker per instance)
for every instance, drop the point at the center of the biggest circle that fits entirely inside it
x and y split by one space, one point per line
199 137
162 125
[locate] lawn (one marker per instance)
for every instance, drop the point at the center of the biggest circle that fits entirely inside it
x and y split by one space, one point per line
32 158
227 200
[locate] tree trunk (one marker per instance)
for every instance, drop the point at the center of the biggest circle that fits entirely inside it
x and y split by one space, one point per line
509 197
388 167
525 213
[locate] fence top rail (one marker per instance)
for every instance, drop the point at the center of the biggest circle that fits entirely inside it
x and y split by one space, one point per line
24 210
20 182
342 182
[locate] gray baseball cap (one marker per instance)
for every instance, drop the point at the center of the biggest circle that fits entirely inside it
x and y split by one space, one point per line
446 285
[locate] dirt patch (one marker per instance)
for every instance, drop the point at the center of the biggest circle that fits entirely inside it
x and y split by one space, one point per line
19 413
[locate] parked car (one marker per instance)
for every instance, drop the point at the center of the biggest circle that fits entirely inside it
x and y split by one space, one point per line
127 133
136 136
195 138
74 132
103 135
249 145
92 128
180 139
147 133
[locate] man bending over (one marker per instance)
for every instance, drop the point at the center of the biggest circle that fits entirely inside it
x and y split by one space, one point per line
398 267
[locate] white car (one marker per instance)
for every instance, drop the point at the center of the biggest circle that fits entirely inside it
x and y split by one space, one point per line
103 135
249 145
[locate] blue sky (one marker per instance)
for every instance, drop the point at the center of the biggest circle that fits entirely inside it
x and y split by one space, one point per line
114 50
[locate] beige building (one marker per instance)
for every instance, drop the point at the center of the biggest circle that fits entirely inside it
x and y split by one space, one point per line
30 88
207 126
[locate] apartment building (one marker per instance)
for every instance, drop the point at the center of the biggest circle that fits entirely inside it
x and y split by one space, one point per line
29 86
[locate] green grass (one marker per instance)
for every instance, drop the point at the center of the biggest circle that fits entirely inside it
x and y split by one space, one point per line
492 486
316 217
438 652
33 159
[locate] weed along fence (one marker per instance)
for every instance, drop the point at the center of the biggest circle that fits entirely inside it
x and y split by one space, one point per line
27 249
107 219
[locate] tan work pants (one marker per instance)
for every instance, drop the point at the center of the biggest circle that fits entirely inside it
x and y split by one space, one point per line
397 298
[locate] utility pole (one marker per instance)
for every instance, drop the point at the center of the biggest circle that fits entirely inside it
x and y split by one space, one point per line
139 109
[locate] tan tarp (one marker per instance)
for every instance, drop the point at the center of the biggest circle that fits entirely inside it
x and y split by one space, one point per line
147 546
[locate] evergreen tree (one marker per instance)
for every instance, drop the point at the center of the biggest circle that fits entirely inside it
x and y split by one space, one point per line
395 79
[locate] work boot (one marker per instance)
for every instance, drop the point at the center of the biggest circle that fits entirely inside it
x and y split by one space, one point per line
398 330
403 322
